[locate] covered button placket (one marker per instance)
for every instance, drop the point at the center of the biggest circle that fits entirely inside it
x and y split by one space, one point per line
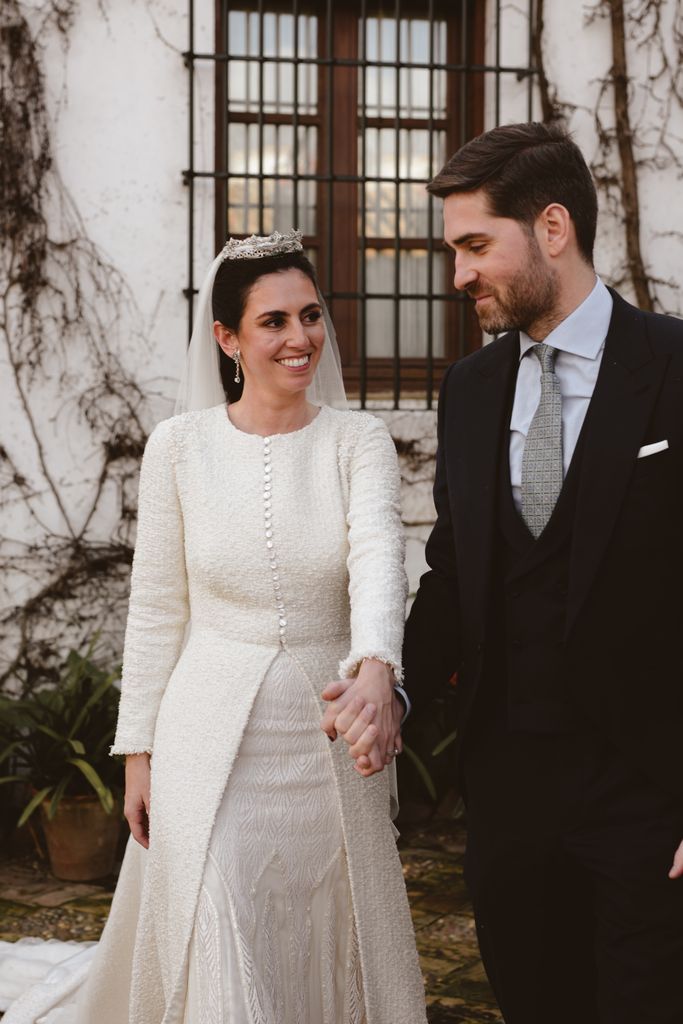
270 544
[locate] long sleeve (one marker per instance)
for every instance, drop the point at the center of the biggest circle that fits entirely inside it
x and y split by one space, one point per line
159 608
377 579
431 650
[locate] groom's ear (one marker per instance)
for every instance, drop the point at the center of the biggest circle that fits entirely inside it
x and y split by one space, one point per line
555 229
226 338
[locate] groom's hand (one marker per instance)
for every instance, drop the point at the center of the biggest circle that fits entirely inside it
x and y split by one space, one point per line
367 714
676 870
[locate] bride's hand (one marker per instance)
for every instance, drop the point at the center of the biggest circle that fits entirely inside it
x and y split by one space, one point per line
136 801
367 713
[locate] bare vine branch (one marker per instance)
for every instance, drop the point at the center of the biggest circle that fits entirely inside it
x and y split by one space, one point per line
629 179
549 106
78 430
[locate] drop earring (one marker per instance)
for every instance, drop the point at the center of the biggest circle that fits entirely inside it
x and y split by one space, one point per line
236 357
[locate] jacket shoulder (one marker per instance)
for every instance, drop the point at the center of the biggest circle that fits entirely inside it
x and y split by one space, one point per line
663 330
483 359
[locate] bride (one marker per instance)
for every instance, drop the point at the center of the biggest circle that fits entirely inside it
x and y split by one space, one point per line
261 883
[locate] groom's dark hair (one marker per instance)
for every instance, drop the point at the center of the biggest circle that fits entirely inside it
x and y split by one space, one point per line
522 168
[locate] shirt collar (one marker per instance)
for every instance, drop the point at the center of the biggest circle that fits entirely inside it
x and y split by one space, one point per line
583 332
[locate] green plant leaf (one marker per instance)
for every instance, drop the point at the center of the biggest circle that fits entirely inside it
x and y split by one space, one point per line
75 745
9 748
94 698
56 797
11 778
440 747
103 792
422 772
34 802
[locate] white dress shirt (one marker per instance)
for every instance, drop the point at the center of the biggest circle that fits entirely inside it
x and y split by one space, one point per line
580 341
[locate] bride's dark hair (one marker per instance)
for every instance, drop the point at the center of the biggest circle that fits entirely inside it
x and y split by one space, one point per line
232 284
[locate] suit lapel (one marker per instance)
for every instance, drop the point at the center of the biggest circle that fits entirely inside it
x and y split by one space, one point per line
482 408
625 392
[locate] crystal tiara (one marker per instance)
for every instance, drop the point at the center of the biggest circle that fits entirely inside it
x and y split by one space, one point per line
258 246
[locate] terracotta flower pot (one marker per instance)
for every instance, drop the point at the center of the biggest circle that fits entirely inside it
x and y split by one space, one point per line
81 838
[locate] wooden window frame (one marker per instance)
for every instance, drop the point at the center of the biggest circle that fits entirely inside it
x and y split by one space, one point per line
337 242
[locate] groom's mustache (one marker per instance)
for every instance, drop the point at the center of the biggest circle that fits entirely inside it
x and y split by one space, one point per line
481 289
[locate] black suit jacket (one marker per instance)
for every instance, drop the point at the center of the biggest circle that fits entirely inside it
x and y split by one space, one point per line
624 624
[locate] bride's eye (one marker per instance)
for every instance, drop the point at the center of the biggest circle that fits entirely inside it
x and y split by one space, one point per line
277 321
313 316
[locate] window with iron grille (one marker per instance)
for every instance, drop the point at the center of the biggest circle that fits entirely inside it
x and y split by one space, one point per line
331 117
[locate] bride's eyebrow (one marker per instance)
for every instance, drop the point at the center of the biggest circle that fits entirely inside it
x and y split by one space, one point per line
282 313
271 313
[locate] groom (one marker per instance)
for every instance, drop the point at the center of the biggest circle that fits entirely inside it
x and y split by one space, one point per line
555 591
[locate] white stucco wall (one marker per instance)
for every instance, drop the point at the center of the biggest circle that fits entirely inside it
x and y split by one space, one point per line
117 97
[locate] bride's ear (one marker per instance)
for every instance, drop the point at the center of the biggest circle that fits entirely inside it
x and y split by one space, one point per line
226 338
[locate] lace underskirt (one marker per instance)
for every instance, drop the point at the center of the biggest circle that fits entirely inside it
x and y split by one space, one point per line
274 940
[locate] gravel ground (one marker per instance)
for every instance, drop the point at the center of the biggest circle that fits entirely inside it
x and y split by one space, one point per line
34 903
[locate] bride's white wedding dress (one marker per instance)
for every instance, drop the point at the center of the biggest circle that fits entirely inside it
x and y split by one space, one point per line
272 892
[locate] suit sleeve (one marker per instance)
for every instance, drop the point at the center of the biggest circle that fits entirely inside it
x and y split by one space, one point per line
377 579
431 651
159 607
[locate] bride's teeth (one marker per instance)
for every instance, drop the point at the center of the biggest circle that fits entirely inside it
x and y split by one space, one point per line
303 361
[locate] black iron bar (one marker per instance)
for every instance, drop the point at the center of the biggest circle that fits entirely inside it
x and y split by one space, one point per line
462 133
347 178
451 297
188 178
261 104
329 36
519 70
530 60
429 376
225 114
497 68
397 214
363 254
295 116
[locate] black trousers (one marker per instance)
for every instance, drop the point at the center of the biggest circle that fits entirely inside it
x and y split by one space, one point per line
567 863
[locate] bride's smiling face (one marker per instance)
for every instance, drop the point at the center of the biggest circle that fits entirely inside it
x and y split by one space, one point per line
281 333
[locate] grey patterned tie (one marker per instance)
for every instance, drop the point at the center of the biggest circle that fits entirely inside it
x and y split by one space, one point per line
542 469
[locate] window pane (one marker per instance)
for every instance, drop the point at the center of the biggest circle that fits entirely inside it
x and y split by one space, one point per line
279 40
414 313
413 84
278 148
380 210
380 328
278 194
413 162
243 206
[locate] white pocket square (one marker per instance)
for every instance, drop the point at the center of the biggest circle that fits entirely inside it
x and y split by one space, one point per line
652 449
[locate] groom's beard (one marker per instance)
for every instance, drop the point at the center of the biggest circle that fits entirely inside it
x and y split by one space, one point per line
529 298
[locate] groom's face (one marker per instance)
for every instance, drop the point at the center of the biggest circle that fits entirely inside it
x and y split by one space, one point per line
499 263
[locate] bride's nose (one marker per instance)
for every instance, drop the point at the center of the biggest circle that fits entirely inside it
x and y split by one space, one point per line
297 336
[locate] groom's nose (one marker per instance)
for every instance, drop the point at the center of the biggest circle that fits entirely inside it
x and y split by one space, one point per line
464 276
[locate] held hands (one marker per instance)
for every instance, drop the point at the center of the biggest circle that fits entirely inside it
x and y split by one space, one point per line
136 801
366 712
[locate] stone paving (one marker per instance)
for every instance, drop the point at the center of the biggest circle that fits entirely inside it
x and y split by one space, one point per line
33 902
